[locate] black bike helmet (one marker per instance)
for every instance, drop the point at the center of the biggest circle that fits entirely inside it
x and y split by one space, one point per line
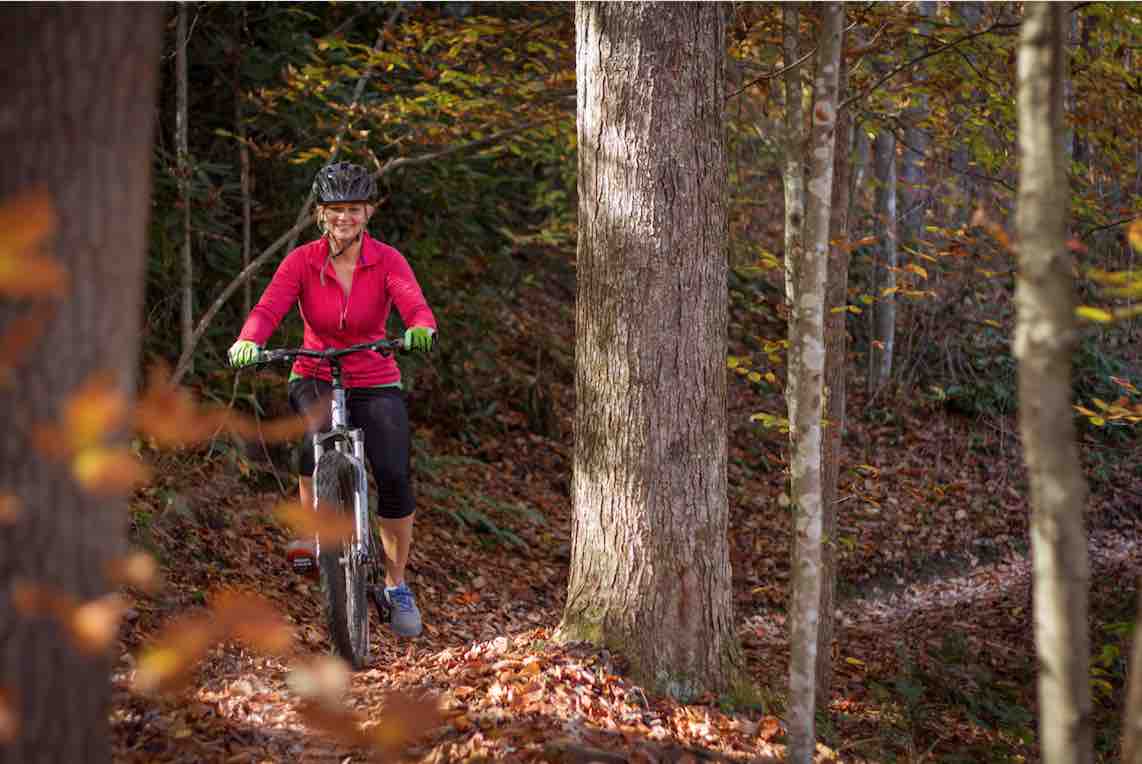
344 182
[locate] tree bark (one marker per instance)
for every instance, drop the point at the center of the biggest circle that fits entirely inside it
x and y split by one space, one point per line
81 79
883 309
183 151
1132 716
793 165
1045 337
650 571
808 345
836 349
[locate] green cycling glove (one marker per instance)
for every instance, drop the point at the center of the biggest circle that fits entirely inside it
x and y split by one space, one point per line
419 338
242 353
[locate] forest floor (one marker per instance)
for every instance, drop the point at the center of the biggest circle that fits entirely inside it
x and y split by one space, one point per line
933 655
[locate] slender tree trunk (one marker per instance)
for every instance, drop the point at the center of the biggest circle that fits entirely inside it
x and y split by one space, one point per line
792 166
809 347
836 348
243 161
1045 337
970 13
913 161
650 571
884 273
86 112
182 146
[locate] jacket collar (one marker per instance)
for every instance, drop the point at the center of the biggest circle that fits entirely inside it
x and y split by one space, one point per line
318 255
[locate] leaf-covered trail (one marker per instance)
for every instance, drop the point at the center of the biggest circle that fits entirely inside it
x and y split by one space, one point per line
507 691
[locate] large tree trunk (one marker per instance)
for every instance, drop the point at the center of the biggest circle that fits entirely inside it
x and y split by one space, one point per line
883 310
1045 337
836 348
650 571
81 79
808 346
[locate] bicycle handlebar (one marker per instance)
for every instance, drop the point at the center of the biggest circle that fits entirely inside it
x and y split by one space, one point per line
384 347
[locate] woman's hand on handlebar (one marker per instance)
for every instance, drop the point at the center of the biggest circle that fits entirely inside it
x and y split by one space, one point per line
243 353
419 338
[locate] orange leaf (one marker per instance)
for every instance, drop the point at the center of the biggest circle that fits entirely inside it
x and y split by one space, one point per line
768 729
26 221
21 335
9 719
328 524
1134 234
10 509
166 665
253 620
94 625
138 569
109 471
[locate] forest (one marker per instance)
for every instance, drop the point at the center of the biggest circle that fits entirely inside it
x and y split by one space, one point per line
783 404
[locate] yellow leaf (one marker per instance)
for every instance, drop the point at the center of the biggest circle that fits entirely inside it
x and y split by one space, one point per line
1134 234
108 471
1093 314
854 661
888 291
754 376
732 362
770 378
1097 421
917 270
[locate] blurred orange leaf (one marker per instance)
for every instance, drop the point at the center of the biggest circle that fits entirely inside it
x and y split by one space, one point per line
9 719
324 679
1134 234
253 620
20 336
137 569
10 509
172 416
109 471
167 663
92 625
324 522
403 720
26 222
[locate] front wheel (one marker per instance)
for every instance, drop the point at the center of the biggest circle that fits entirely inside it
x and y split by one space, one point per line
342 577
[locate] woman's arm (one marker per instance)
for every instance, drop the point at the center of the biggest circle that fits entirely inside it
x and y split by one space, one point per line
280 296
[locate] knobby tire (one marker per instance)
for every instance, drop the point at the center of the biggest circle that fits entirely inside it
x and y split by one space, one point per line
343 584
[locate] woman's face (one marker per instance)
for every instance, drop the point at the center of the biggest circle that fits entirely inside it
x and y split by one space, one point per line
346 220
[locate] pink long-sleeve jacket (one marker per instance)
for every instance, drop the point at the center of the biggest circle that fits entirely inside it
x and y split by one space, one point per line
335 319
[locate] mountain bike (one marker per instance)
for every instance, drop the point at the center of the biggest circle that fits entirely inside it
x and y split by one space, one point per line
351 569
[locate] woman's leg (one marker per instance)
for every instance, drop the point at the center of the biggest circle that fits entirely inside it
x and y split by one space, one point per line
396 537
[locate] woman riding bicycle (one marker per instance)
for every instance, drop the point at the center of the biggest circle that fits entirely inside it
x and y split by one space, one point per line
344 284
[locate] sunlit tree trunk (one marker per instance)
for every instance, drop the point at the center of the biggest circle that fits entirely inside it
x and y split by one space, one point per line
792 165
808 345
650 572
836 345
1045 337
884 274
82 80
181 142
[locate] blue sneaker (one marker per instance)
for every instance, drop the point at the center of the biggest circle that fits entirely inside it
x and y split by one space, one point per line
405 618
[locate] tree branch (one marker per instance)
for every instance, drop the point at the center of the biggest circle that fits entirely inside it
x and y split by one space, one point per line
909 64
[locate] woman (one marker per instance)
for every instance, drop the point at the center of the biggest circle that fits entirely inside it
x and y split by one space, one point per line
344 284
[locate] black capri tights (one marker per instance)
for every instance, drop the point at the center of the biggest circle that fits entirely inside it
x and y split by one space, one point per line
381 413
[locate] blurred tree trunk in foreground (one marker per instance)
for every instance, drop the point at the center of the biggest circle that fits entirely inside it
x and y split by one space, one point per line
650 570
1045 337
80 91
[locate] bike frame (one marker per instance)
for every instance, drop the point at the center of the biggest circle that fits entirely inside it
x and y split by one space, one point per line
339 434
